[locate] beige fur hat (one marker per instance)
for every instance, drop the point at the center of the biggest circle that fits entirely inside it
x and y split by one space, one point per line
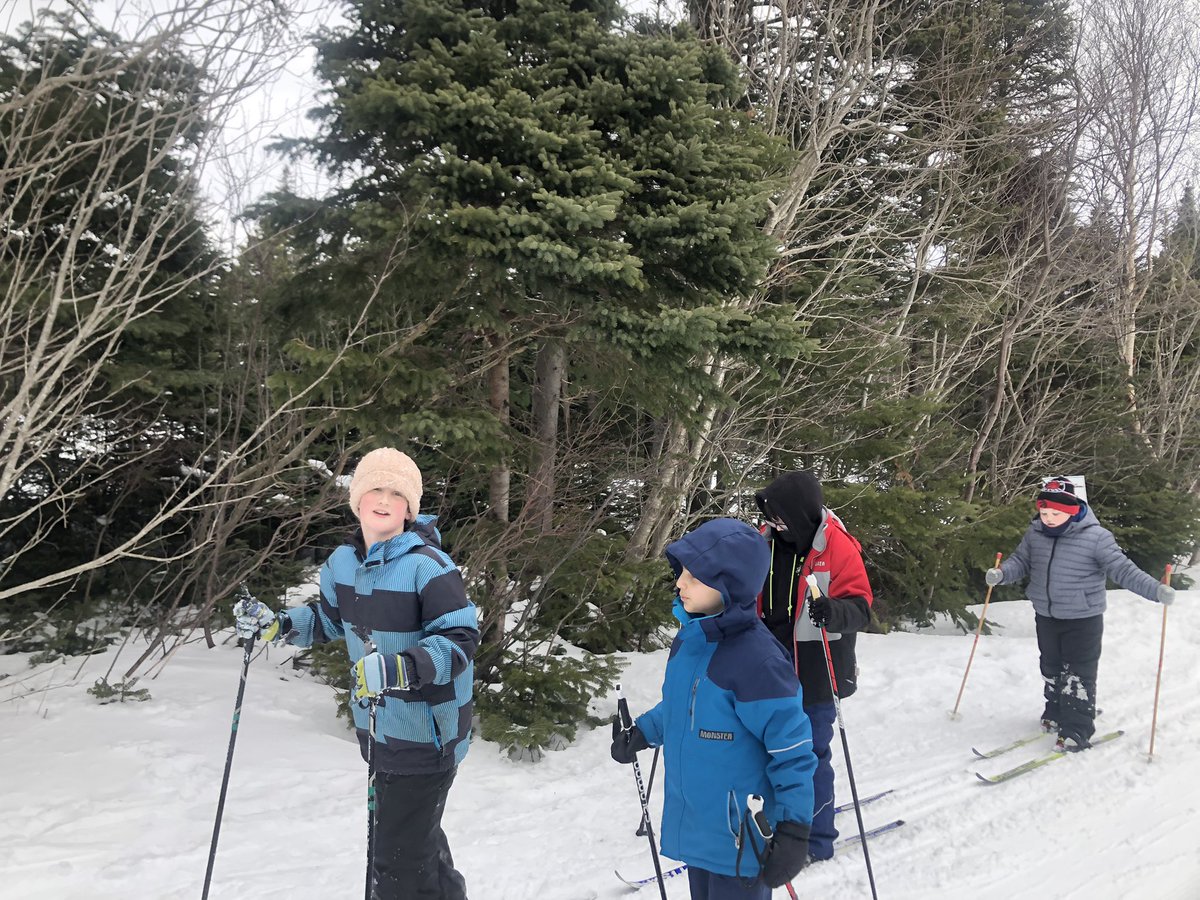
387 467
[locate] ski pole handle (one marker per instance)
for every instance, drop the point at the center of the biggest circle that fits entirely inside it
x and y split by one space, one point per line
754 806
623 715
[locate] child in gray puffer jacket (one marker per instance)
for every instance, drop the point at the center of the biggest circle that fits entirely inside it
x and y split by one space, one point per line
1067 555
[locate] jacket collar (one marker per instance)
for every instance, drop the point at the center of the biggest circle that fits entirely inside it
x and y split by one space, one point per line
421 533
711 628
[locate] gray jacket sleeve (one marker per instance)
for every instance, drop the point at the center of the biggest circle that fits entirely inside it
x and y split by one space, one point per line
1016 566
1120 568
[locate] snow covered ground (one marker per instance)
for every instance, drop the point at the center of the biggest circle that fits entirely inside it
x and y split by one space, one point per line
118 801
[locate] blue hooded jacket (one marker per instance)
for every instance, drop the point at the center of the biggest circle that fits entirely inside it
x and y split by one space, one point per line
731 721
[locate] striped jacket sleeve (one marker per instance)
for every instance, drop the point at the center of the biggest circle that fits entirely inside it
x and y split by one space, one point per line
321 621
449 623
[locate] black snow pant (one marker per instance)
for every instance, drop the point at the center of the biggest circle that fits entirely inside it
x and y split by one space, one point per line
1070 661
412 856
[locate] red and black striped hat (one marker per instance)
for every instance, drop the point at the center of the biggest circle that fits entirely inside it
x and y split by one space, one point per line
1058 493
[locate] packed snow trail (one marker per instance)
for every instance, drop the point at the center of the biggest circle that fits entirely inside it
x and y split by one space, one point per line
117 802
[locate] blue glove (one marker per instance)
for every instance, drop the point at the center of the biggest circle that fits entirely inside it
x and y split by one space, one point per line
994 577
379 672
1166 594
253 619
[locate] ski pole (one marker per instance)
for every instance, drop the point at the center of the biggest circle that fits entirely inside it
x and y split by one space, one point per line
754 805
372 704
982 618
248 645
627 725
814 591
1162 646
641 829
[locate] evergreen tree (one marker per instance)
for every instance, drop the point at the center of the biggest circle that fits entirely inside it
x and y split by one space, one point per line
548 220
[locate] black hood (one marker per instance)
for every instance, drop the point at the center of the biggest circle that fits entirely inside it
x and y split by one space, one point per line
796 499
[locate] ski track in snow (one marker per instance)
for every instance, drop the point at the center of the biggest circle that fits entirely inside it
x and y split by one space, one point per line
118 801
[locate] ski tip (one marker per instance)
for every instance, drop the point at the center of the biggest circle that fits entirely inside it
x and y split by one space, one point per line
984 778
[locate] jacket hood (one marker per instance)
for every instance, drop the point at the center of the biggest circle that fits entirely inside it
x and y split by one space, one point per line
728 556
1085 518
797 499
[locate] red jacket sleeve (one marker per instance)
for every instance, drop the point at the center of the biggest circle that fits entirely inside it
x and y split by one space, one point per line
849 588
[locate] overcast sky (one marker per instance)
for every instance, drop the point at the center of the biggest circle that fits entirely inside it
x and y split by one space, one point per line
274 108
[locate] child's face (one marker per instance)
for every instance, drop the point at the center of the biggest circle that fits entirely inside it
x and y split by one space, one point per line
1052 517
698 598
382 512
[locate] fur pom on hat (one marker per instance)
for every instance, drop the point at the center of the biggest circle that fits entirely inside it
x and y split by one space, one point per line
387 467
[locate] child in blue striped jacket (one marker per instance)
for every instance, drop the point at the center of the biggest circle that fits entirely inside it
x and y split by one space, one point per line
392 585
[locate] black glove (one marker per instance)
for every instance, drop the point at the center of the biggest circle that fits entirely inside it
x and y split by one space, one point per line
626 744
819 611
787 855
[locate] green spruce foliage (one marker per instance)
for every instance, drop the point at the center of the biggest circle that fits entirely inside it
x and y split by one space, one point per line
530 192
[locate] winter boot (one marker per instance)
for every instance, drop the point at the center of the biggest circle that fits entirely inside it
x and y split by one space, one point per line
1069 743
1049 726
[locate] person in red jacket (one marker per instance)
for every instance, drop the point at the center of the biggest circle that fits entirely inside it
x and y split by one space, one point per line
807 538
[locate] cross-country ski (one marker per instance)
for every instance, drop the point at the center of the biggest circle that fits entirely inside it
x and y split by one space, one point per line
1044 760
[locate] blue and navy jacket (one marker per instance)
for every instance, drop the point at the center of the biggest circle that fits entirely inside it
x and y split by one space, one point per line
731 721
1068 567
408 595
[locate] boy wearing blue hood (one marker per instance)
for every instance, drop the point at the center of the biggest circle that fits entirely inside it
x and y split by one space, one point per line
731 724
1067 555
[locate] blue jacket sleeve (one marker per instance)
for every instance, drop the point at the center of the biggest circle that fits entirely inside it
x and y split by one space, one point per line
449 625
319 622
783 728
651 725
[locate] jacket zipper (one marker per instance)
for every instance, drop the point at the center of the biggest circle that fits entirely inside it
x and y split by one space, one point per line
437 732
692 705
1049 599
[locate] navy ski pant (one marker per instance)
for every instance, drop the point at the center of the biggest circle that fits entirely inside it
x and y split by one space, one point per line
1070 662
707 885
821 717
412 856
